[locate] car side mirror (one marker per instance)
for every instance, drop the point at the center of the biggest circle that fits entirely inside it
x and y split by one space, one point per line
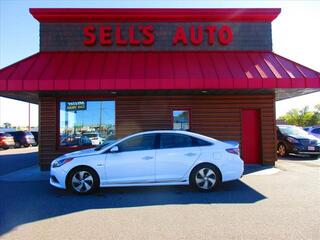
114 149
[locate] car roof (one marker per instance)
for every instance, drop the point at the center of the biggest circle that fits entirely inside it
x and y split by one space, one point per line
197 135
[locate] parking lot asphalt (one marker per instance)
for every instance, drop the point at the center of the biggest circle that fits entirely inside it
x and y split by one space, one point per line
267 203
15 159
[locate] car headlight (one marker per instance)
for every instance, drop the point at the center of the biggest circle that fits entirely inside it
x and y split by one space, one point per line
59 163
292 140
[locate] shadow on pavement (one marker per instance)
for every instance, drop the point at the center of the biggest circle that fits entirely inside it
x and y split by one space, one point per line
251 168
26 202
14 162
298 158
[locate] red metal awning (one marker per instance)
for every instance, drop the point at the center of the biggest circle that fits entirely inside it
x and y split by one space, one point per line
56 71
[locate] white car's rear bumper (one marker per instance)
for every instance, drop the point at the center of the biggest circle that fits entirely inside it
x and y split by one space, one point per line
234 172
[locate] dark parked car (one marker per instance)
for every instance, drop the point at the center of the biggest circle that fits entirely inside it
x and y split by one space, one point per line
36 139
292 139
6 140
22 138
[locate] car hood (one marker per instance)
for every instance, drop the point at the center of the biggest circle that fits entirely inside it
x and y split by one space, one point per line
81 153
299 137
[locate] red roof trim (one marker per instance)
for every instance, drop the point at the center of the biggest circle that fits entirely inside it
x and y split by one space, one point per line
155 14
86 71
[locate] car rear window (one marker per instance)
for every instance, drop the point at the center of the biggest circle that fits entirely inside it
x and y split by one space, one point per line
199 142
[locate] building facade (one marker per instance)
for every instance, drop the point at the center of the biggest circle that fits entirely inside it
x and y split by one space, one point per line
102 74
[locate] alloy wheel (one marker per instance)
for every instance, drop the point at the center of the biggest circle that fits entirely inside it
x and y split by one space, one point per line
82 181
282 150
205 178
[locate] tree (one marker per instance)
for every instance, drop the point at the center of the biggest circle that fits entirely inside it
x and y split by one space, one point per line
315 120
303 117
298 117
7 125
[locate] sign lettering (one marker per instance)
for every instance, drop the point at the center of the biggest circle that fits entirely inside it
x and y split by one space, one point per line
144 35
76 105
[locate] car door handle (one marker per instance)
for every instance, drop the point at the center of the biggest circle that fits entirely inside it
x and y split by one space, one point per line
147 158
190 154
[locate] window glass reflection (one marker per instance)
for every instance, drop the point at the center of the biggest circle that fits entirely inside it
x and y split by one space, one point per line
86 123
181 120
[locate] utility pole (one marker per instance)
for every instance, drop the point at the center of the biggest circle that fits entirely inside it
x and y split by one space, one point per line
29 120
100 120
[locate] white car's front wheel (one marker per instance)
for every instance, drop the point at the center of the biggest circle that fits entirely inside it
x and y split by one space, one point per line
83 180
205 177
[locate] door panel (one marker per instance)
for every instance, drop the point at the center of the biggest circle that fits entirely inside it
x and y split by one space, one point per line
134 162
131 167
251 138
175 157
172 164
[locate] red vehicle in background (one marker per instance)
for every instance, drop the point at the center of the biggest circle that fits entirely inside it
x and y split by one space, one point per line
6 140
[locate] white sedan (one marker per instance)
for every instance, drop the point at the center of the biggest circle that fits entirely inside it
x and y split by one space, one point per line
151 158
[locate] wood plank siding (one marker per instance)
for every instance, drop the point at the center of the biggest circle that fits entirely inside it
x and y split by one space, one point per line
218 116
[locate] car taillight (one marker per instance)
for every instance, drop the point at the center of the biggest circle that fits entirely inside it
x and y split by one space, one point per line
233 151
95 138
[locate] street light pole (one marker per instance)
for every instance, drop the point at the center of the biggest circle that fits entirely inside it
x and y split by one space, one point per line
29 120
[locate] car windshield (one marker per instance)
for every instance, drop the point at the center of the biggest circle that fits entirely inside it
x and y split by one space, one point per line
104 144
292 130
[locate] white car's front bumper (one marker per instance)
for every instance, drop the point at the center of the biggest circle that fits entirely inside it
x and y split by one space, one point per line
58 177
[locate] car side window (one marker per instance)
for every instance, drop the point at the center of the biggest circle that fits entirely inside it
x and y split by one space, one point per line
316 131
168 140
138 143
199 142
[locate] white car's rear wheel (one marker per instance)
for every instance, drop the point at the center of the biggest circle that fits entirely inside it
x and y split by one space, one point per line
83 180
205 177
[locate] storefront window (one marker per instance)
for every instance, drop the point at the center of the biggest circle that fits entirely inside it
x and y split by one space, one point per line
181 120
86 123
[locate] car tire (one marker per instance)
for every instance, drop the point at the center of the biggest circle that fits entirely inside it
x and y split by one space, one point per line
282 150
83 180
205 177
26 145
5 148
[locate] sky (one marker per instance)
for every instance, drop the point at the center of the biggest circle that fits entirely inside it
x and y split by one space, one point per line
295 35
